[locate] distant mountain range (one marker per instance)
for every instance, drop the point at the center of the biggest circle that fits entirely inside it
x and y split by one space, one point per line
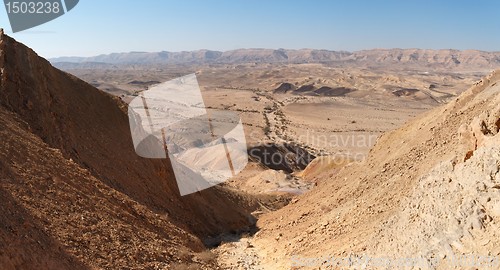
420 57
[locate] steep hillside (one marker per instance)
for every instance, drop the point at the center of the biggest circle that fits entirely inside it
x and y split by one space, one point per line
76 193
429 191
57 215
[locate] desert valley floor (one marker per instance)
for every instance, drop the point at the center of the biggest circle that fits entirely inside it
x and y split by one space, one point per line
382 159
335 114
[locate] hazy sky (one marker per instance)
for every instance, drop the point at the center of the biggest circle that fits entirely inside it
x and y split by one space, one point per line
104 26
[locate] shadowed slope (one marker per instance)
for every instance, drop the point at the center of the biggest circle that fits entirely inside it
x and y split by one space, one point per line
69 163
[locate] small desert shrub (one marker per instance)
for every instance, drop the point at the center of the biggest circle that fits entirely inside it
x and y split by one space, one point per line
267 129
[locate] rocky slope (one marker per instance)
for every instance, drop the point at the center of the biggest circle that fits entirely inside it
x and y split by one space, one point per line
428 191
74 194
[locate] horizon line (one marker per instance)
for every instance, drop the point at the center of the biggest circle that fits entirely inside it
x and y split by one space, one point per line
282 49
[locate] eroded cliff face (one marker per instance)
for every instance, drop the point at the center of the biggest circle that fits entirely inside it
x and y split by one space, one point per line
428 190
453 211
